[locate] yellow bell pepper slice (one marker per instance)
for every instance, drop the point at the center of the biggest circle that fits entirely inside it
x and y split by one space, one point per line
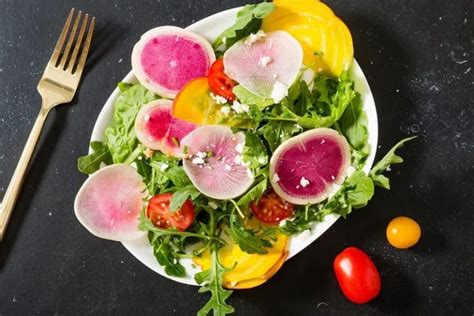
250 270
326 40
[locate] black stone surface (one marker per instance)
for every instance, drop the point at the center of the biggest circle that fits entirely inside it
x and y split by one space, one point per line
417 56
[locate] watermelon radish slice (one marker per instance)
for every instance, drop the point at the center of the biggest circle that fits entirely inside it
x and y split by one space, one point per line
168 57
266 66
306 168
214 162
109 203
157 129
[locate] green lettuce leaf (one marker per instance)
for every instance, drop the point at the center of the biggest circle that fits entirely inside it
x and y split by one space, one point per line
91 163
249 20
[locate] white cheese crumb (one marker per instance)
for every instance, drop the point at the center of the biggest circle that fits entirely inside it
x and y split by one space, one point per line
164 166
147 118
304 182
283 223
238 160
201 154
218 99
261 160
239 148
225 110
240 108
227 167
333 178
275 178
323 141
280 91
213 205
264 61
252 38
198 161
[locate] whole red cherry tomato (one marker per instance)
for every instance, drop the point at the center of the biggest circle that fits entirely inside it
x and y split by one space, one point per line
357 275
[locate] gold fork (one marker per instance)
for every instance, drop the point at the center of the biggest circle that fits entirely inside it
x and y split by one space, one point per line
57 86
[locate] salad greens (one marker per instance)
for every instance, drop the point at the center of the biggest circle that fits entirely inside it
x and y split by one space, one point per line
320 102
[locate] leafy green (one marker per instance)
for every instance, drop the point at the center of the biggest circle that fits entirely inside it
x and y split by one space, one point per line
254 153
183 194
249 20
91 163
211 281
248 97
248 240
254 194
166 256
120 135
384 164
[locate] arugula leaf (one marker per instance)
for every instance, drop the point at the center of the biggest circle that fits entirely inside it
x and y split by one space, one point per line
384 164
165 256
248 97
254 153
211 281
120 135
179 197
247 239
91 163
254 194
249 20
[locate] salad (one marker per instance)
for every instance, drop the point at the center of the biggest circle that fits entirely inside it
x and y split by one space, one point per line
219 153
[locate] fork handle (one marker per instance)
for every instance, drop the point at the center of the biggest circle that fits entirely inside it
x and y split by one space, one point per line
13 190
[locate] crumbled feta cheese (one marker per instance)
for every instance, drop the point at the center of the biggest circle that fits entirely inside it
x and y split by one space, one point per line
240 108
323 141
227 167
264 61
213 205
148 153
275 178
333 178
147 118
239 148
201 154
218 99
304 182
225 110
252 38
282 223
388 169
238 160
164 166
198 161
280 91
262 160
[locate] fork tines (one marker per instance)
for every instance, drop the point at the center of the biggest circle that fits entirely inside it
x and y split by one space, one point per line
61 57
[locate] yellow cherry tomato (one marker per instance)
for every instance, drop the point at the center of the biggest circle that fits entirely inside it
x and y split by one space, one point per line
403 232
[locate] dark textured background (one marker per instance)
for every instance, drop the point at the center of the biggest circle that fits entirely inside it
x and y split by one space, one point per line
417 56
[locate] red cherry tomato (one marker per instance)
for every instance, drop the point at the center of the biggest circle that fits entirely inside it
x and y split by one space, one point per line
271 209
219 82
357 275
158 211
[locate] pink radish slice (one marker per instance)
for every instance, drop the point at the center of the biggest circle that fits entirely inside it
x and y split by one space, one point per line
305 169
266 66
221 174
167 57
157 129
109 203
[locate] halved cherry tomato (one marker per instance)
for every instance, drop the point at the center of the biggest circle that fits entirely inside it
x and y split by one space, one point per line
219 82
158 211
357 275
271 209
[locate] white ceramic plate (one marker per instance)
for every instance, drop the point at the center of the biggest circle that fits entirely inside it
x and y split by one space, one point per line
210 28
